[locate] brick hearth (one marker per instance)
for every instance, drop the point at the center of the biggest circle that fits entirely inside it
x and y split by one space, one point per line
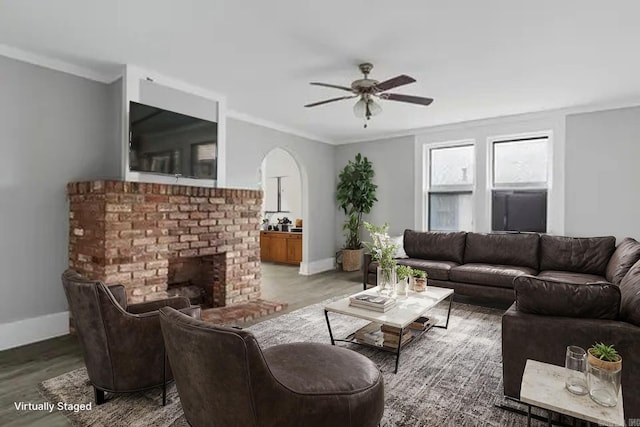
130 233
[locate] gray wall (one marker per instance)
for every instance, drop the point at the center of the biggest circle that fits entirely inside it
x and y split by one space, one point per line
54 128
247 146
602 173
394 169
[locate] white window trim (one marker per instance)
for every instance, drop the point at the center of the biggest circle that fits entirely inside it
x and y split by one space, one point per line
526 186
426 178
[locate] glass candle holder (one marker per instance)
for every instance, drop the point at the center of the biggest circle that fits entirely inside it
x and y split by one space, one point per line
576 366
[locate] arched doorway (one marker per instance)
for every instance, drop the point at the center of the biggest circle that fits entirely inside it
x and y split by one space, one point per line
284 183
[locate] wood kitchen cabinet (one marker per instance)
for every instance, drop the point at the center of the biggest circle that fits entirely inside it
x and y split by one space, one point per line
279 246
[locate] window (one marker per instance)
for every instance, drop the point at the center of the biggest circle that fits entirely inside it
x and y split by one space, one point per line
450 188
520 184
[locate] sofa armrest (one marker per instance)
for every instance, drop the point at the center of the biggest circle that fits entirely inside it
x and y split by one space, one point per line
144 307
599 300
120 294
545 338
192 311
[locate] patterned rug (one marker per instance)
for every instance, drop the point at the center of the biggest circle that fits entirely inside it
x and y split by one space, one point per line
448 377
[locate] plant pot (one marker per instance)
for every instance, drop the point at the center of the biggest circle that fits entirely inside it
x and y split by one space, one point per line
604 379
419 284
402 287
351 259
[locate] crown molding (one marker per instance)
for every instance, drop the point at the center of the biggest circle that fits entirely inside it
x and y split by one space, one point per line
487 121
57 64
277 126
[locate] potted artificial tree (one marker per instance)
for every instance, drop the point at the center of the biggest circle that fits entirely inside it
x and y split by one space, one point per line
356 195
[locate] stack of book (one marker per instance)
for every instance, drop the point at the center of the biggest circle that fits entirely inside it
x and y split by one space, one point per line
391 336
420 324
370 334
372 302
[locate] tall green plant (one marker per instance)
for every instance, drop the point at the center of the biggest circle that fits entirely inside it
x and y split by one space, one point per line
356 195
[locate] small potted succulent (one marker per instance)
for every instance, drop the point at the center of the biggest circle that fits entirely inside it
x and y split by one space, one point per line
604 373
419 280
403 272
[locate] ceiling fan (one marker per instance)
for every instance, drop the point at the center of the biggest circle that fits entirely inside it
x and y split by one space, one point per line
368 89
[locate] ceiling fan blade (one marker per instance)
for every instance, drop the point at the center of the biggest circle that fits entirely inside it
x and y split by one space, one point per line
348 89
326 101
406 98
400 80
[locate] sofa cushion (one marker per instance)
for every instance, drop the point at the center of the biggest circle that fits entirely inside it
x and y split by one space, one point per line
570 277
555 298
433 245
583 255
399 242
504 249
438 270
626 254
488 274
630 290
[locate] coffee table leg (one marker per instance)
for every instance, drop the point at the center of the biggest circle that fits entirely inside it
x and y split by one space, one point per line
528 415
398 350
446 325
326 316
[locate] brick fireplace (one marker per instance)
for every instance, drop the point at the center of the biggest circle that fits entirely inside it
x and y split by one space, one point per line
160 239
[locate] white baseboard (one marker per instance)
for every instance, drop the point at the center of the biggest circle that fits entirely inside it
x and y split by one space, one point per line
27 331
315 267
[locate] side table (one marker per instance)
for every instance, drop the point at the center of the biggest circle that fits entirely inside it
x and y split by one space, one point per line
543 387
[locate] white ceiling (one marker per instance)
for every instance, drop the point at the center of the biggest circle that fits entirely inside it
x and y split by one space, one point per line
476 58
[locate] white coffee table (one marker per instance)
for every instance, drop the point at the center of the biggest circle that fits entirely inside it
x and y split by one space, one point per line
406 311
543 386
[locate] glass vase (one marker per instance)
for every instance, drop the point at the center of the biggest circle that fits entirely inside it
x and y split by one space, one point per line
386 280
604 384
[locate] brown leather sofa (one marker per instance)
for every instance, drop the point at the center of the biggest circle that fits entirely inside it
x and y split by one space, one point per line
224 378
121 344
567 291
548 315
484 265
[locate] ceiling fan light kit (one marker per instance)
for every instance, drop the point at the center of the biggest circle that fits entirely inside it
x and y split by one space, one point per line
368 89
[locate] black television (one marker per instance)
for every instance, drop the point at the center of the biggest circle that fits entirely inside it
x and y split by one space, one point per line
169 143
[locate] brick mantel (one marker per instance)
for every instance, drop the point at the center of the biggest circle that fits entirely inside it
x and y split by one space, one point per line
128 232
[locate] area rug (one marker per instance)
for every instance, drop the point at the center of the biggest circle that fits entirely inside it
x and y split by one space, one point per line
448 377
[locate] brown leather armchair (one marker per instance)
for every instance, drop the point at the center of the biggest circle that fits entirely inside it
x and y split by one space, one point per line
122 344
225 379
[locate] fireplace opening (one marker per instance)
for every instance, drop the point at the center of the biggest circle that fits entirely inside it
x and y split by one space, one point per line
188 277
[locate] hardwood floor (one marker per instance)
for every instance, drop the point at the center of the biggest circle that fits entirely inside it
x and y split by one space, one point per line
23 368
